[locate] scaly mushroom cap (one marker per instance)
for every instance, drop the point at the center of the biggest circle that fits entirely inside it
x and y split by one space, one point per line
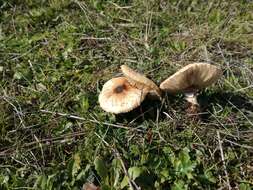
119 96
140 81
192 78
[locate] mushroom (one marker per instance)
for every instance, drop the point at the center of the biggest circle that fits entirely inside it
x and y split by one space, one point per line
190 79
90 186
141 82
119 96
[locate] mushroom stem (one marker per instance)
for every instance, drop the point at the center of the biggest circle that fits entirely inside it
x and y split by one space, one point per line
191 97
194 107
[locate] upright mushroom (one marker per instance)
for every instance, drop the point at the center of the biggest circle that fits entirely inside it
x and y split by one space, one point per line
190 79
119 96
141 82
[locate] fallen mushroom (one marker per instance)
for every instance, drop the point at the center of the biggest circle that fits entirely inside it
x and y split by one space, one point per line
190 79
119 96
141 82
90 186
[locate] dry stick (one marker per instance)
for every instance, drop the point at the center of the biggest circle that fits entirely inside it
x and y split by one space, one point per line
91 120
131 182
41 149
19 113
4 152
223 160
83 8
94 120
51 140
245 88
95 38
221 124
240 145
250 122
24 54
119 7
141 115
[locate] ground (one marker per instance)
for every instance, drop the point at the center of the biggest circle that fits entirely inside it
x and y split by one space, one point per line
55 56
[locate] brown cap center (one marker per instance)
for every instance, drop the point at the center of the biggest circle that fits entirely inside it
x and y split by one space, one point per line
119 89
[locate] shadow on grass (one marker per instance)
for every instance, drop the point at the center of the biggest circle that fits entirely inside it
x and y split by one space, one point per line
148 110
153 109
225 99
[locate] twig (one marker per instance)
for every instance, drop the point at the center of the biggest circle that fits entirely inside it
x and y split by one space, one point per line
96 38
245 88
90 120
206 54
27 52
141 115
131 182
119 7
250 122
223 160
217 119
18 112
237 144
10 150
84 9
41 149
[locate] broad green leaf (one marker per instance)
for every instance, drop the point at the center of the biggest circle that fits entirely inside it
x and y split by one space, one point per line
50 180
17 75
165 174
85 104
76 165
244 186
134 149
100 168
124 182
41 182
210 176
179 185
183 164
135 172
106 187
83 172
116 168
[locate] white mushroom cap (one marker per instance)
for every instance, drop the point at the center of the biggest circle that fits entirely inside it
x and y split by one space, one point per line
119 96
192 78
140 81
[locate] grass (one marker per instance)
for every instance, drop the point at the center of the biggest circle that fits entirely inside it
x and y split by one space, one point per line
55 55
